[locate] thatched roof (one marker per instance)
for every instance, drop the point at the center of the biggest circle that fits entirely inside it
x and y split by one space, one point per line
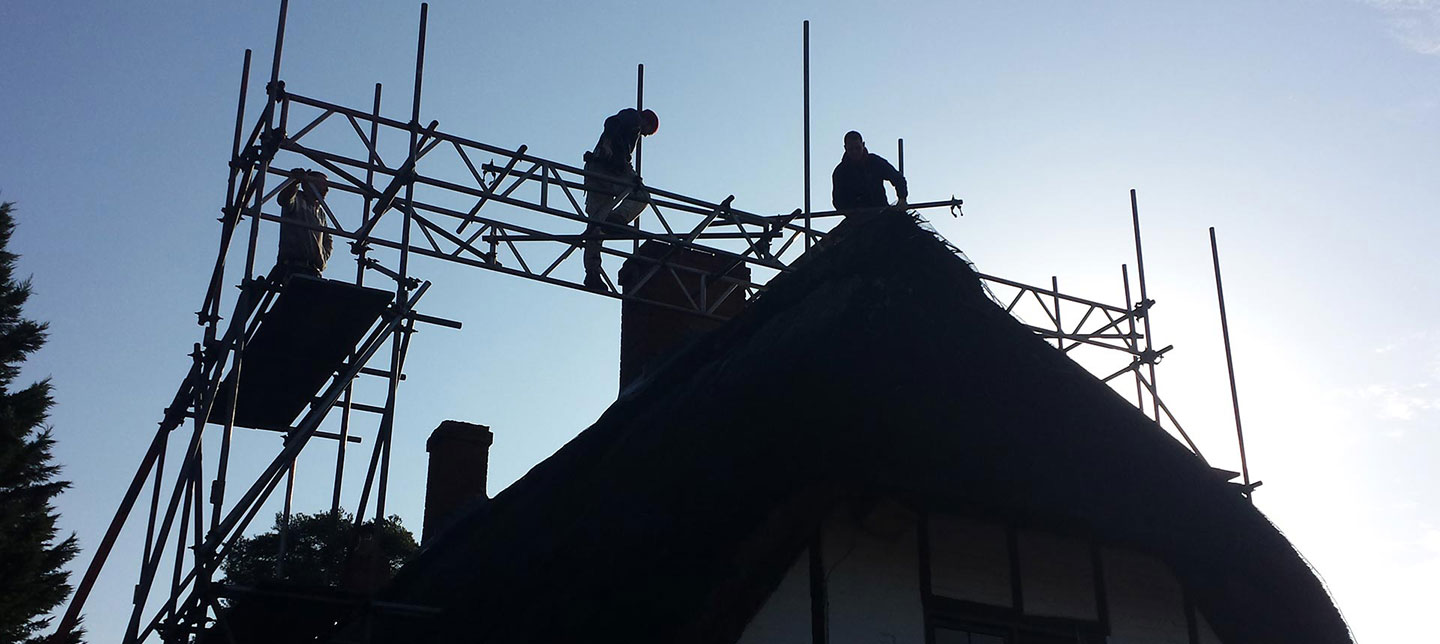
878 366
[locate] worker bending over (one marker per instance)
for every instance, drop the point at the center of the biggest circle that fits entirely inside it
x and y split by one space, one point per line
611 158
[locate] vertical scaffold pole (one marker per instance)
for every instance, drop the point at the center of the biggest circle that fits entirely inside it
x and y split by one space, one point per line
1144 301
188 468
210 313
179 569
274 95
805 56
155 498
1059 328
639 143
217 488
1230 363
239 134
279 42
639 107
1131 341
202 573
403 283
360 256
900 155
191 509
283 549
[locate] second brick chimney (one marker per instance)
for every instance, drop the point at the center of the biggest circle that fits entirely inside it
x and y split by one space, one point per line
459 463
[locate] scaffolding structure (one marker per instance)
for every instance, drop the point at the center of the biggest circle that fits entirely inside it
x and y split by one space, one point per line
453 200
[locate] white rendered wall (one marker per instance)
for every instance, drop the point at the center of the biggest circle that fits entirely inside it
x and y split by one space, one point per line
873 578
1057 576
873 585
784 618
969 560
1145 601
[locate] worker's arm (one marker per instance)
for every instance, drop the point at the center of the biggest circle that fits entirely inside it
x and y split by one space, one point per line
835 188
298 176
902 190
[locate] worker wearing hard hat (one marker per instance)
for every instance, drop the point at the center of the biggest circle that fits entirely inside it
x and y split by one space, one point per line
613 192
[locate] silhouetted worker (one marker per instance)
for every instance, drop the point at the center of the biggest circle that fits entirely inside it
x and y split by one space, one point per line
858 181
303 248
611 157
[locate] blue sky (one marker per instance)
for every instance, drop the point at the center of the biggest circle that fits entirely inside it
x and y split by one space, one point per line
1305 132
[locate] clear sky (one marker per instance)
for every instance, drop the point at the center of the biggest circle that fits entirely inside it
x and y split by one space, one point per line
1305 132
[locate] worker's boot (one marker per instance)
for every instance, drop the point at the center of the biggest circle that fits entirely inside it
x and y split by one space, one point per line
594 280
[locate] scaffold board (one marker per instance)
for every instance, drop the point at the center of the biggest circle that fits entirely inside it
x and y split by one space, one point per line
302 340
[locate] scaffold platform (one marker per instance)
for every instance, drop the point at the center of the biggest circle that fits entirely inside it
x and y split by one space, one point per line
302 341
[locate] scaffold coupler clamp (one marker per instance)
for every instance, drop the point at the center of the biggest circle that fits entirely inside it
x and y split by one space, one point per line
270 143
1152 356
1142 308
955 207
762 246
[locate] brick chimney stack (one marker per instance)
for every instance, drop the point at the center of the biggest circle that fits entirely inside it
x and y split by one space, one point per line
459 463
650 333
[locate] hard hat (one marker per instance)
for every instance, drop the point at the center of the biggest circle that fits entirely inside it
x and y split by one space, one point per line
649 122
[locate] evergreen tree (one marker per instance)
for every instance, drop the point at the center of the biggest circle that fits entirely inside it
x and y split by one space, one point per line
32 577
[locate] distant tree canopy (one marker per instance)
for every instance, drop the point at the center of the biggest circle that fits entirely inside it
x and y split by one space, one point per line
317 551
33 581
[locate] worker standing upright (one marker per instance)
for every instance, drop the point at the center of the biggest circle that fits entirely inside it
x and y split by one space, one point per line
858 181
305 244
617 197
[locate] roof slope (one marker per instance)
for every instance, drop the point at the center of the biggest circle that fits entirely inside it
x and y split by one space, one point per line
878 364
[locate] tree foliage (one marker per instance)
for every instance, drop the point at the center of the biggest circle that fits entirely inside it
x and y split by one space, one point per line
280 601
317 550
33 581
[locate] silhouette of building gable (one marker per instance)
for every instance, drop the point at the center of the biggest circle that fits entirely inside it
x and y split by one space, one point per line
877 392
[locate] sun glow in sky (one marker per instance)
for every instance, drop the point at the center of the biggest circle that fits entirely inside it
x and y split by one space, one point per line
1305 132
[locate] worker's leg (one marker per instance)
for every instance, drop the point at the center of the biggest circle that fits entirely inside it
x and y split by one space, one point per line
600 206
598 203
591 256
638 201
